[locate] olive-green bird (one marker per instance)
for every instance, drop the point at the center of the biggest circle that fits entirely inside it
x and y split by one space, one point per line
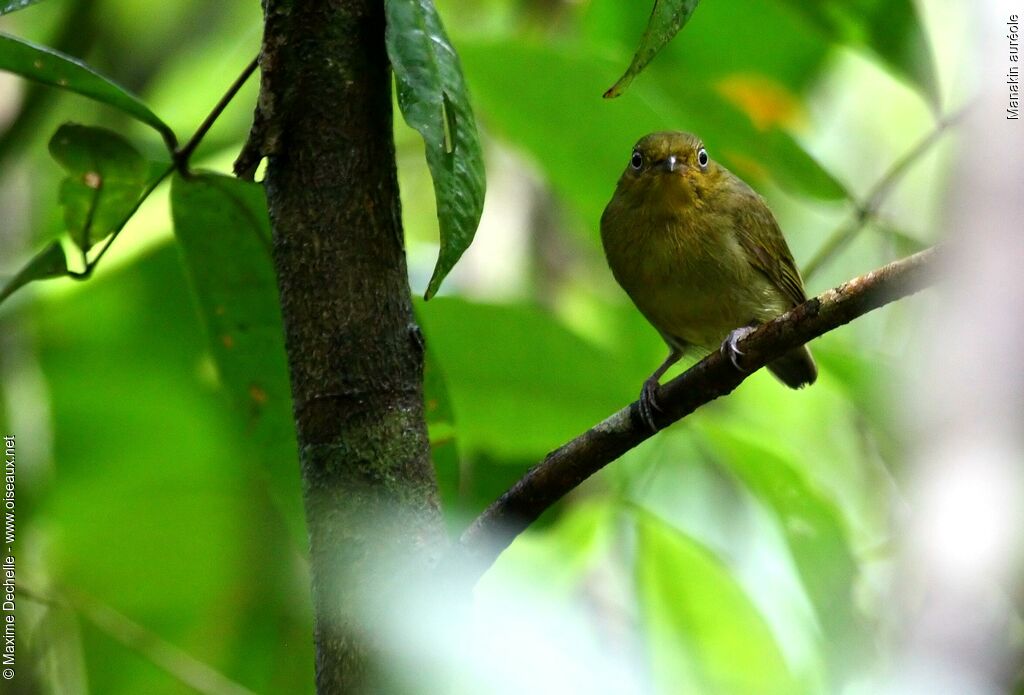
701 256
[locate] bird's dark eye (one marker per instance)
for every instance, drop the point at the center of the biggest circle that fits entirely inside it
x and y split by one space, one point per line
636 161
702 157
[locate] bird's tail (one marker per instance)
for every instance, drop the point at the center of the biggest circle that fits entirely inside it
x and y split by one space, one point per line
796 368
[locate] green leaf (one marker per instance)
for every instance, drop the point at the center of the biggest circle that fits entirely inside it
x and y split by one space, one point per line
441 429
704 633
223 230
863 379
47 66
536 115
891 29
106 178
187 494
775 42
434 100
516 366
15 5
484 478
667 18
48 263
233 279
814 529
561 564
752 152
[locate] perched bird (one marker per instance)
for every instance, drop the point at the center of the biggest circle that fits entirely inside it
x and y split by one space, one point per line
701 256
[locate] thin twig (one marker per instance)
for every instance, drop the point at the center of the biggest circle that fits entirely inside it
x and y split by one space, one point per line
566 467
865 211
87 227
179 664
182 155
180 159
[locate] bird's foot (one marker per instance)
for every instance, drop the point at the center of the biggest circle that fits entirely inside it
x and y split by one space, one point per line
729 348
649 404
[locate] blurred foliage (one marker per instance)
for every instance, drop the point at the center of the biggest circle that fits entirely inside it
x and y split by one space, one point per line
735 552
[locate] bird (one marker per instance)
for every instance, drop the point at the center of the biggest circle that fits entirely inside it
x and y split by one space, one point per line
701 255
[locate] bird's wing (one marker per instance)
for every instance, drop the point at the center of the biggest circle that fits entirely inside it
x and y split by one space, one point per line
760 237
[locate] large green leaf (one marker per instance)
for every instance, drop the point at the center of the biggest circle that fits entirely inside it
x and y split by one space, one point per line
520 382
557 563
53 68
14 5
891 29
667 18
157 479
434 100
582 142
223 230
863 380
814 529
775 41
106 178
704 633
48 263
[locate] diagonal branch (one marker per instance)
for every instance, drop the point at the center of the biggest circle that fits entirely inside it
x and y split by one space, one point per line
868 209
184 153
568 466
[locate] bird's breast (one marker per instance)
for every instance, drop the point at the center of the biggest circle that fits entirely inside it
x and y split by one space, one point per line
690 277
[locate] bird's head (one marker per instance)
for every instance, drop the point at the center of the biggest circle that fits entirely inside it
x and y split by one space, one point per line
668 169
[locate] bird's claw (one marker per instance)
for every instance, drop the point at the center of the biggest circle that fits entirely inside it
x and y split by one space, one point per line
649 404
729 348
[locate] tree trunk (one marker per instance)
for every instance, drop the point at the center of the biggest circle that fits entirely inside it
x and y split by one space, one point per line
354 350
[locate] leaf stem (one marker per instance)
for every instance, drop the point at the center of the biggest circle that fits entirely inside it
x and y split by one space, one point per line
184 153
180 158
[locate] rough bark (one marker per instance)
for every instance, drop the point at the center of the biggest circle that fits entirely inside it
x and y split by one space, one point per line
355 353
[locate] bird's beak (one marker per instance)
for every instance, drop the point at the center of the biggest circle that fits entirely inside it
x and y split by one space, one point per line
670 164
